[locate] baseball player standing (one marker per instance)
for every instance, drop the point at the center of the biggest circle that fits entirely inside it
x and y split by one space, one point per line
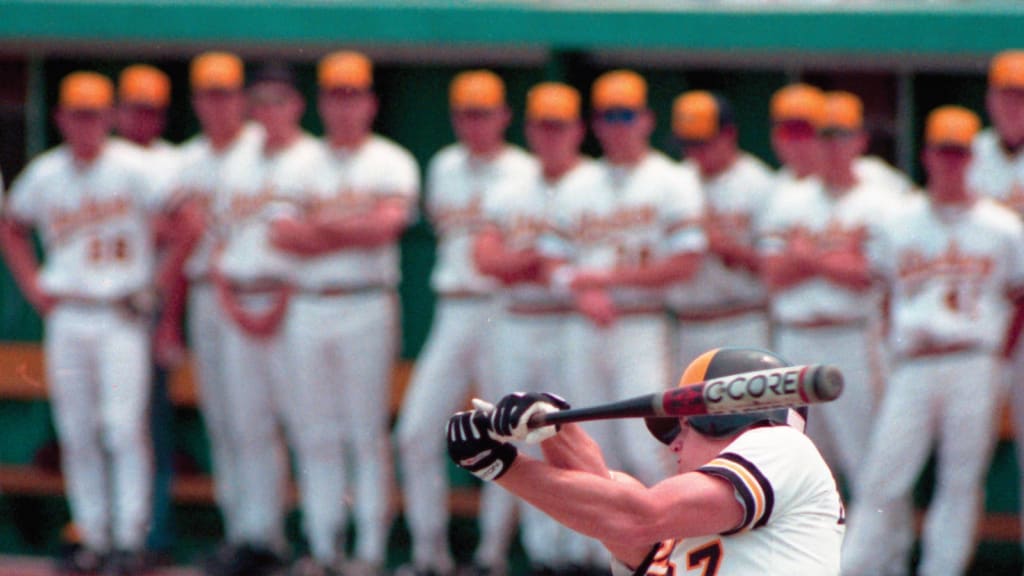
951 260
92 200
824 303
458 351
143 94
253 277
726 300
342 327
218 101
750 494
623 241
530 333
997 171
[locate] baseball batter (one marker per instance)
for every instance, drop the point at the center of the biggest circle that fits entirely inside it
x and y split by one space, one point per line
342 327
458 351
92 200
623 241
217 80
750 494
254 279
530 332
726 301
951 260
825 306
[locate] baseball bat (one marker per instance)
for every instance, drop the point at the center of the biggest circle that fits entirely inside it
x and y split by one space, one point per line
786 387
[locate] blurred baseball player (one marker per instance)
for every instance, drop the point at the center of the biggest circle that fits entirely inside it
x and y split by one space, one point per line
458 351
824 303
92 200
143 94
997 171
951 260
530 333
342 327
750 494
726 301
253 276
218 101
623 241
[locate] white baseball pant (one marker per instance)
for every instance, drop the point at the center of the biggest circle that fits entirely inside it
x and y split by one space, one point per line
98 367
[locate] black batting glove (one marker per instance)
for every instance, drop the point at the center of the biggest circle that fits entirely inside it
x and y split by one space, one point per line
472 448
511 416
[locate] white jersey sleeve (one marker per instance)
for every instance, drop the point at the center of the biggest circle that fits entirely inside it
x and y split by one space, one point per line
793 520
684 210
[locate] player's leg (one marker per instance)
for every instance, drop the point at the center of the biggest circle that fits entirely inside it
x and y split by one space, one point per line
438 387
260 453
205 332
367 360
124 368
1012 375
641 367
76 412
508 363
898 450
311 400
966 437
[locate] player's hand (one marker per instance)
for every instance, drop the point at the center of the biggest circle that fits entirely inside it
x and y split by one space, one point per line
471 446
511 416
598 306
293 236
41 300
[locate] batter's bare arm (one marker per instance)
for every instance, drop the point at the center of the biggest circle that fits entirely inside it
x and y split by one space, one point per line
16 242
626 517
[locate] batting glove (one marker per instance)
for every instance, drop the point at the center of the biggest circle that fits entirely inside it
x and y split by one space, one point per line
471 446
512 414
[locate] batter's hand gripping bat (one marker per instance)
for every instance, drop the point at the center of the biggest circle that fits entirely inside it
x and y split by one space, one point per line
786 387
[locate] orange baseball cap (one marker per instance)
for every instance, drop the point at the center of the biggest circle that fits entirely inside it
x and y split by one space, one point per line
699 115
953 126
144 84
217 71
1007 70
799 103
553 101
843 112
619 89
86 91
345 69
477 89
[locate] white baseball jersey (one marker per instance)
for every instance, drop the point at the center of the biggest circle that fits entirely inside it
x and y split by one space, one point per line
352 183
200 176
733 201
877 171
259 187
524 216
996 173
94 220
793 516
806 208
633 214
951 269
457 184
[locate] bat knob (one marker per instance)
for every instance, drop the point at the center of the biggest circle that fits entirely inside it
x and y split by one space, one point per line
827 383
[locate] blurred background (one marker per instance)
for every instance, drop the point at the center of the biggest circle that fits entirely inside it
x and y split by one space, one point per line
903 57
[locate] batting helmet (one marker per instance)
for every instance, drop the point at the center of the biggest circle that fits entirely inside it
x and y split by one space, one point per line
718 363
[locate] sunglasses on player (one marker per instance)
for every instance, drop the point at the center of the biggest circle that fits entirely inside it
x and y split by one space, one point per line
618 115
